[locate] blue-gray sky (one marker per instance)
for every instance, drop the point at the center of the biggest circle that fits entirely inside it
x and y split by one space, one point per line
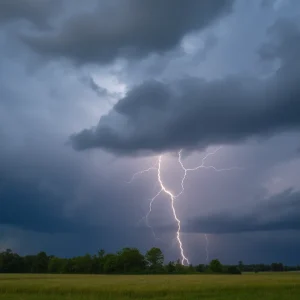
91 94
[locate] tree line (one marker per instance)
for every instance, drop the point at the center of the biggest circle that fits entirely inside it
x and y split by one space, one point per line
125 261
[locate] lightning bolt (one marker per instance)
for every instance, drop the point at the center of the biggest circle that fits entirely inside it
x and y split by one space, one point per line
202 166
146 217
142 172
172 197
206 247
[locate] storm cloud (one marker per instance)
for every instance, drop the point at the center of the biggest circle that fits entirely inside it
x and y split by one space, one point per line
151 77
193 112
278 212
35 12
130 29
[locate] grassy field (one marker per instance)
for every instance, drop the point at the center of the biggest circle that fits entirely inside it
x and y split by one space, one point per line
232 287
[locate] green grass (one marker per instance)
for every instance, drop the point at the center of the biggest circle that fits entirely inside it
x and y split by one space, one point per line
268 286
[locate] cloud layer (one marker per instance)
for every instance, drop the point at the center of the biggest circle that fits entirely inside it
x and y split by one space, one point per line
130 29
36 12
192 112
278 212
196 73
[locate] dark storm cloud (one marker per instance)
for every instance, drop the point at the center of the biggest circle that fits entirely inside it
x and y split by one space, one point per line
34 193
50 190
25 206
55 196
34 11
130 28
193 112
47 189
279 212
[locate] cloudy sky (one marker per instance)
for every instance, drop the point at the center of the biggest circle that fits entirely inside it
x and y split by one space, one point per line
92 92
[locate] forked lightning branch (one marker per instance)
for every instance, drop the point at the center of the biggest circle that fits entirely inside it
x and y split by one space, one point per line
163 189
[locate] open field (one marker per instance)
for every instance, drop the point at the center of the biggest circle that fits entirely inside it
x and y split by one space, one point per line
247 286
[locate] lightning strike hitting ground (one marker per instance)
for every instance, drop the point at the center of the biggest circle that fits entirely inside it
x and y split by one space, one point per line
157 167
172 198
206 247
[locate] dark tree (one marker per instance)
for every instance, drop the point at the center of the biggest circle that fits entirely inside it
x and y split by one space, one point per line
200 268
41 263
126 261
179 268
130 260
170 267
11 262
155 259
241 266
56 265
215 266
277 267
110 263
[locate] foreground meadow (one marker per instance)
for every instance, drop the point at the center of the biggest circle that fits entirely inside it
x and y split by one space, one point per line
247 286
